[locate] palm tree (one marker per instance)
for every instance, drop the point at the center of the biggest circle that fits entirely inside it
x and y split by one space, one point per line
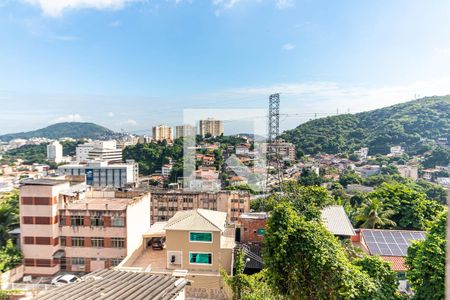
374 215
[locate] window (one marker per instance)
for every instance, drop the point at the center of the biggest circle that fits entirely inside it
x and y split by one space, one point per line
118 242
97 242
261 231
97 221
115 261
77 242
203 237
62 241
77 220
200 258
79 261
62 220
118 222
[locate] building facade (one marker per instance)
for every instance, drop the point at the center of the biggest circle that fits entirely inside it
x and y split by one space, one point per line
73 229
211 127
185 130
162 132
166 203
284 149
102 174
55 152
98 150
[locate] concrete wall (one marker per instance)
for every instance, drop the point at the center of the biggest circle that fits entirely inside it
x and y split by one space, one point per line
138 222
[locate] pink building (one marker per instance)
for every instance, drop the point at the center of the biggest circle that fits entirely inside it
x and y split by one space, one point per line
72 228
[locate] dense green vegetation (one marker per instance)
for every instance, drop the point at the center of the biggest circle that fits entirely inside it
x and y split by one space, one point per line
405 124
9 220
9 215
35 153
152 156
426 262
76 130
10 257
438 157
303 260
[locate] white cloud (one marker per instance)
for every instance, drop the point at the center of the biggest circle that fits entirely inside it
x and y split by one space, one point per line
68 118
110 114
129 122
55 8
281 4
226 3
302 101
288 47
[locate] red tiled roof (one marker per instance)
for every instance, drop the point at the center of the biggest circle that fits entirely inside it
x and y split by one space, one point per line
397 262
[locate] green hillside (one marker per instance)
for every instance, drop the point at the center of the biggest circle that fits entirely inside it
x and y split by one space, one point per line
74 130
407 124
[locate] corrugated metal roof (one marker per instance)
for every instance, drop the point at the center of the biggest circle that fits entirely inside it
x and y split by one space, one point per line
198 219
336 221
114 284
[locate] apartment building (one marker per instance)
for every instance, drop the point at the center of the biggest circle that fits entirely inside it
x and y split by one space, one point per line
55 152
82 152
211 127
166 203
162 132
185 130
71 228
98 150
104 174
284 149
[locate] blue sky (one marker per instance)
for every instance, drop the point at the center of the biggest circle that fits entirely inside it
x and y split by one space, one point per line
133 64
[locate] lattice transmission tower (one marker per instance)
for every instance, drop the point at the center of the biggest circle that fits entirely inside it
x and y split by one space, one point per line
273 141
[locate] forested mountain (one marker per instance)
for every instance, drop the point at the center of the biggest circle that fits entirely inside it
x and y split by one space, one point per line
414 125
74 130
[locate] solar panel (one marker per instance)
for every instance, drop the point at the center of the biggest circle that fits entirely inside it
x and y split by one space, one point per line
390 242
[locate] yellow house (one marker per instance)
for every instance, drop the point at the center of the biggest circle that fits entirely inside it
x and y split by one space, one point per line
199 244
199 240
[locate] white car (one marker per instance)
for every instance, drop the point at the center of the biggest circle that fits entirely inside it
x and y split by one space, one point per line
64 279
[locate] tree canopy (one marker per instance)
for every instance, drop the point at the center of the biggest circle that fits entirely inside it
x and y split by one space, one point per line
412 125
426 262
305 261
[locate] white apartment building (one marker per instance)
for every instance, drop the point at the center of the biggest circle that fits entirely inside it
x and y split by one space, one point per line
397 151
82 152
162 132
98 150
102 174
362 153
55 152
185 130
211 126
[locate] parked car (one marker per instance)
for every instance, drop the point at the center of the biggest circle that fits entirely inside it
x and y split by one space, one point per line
158 243
64 279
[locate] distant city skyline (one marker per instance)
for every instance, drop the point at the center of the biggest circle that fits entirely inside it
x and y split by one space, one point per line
132 65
